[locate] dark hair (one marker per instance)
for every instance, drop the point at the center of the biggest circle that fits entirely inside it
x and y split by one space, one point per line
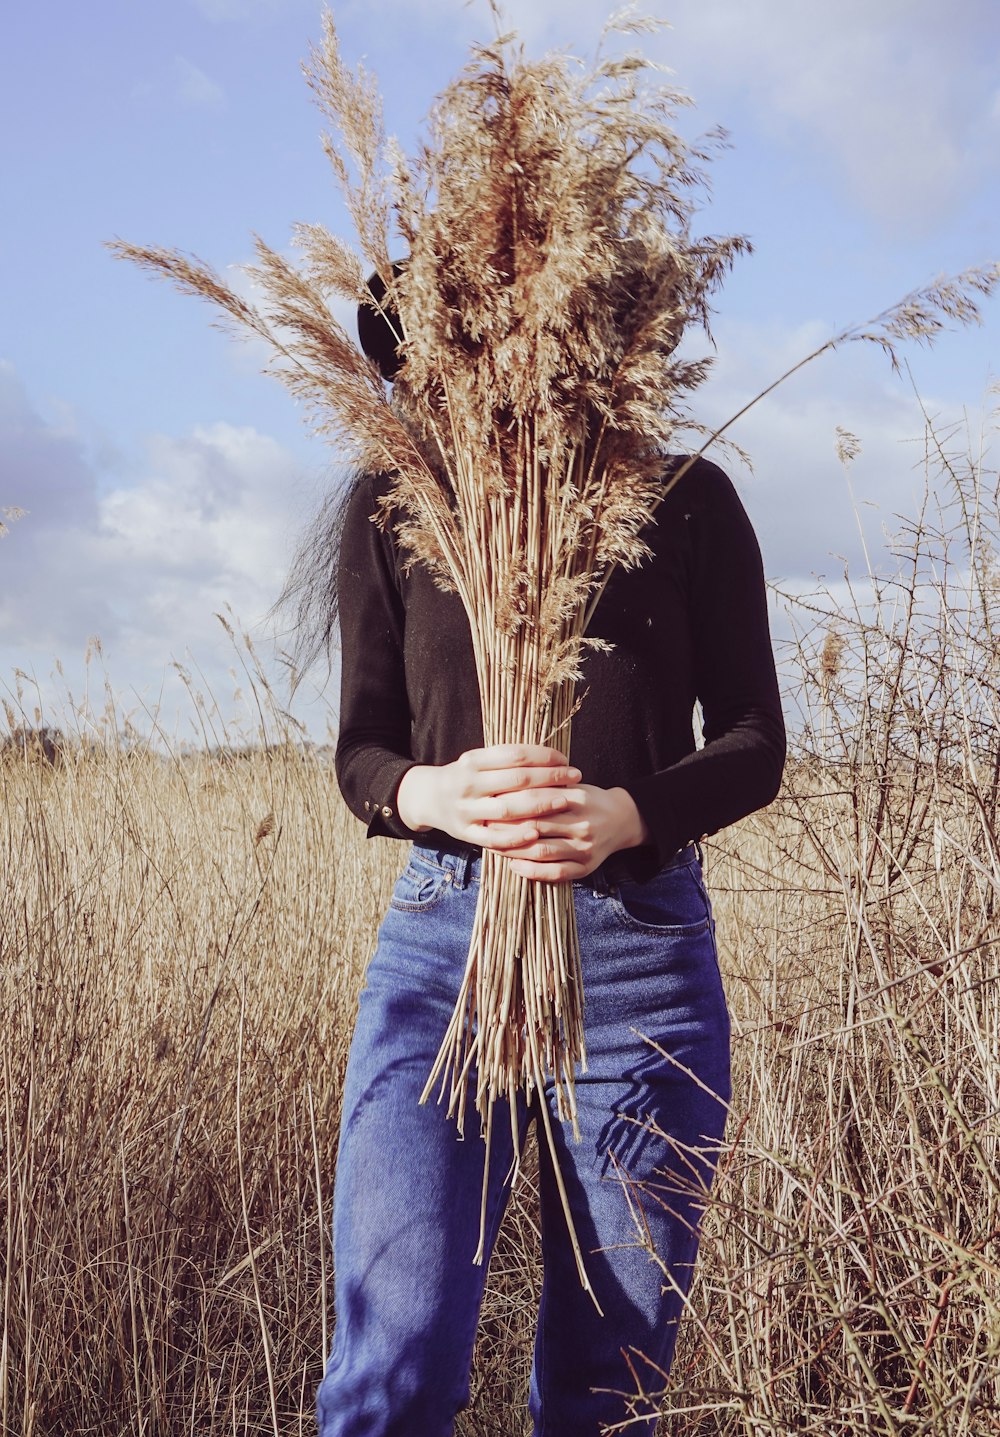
310 593
310 596
379 327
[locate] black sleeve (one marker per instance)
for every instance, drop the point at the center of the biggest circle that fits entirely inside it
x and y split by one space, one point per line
740 766
373 744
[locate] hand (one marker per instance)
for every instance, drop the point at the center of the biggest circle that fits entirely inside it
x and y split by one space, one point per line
492 797
594 823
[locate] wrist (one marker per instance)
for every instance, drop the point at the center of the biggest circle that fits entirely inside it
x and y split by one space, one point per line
412 797
634 829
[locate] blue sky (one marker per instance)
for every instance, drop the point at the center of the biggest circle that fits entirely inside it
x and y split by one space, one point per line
165 477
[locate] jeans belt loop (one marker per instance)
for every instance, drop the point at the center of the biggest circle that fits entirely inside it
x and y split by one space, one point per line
462 862
600 882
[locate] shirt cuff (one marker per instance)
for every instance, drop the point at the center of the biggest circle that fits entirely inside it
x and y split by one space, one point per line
379 805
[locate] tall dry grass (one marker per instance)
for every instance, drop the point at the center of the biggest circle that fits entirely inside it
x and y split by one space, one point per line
183 937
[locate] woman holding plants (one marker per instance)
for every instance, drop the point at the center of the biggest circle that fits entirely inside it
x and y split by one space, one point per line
619 824
543 574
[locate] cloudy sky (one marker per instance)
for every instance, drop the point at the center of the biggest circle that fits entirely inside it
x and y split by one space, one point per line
164 478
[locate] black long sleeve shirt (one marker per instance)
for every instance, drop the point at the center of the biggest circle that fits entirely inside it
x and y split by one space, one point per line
688 623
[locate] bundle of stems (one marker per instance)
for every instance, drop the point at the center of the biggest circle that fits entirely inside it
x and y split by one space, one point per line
551 272
519 1015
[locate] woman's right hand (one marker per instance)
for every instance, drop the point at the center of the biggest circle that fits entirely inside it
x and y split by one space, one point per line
489 796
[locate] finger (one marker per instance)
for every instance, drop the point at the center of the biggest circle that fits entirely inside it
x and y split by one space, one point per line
507 755
514 807
503 836
564 872
566 824
507 780
550 850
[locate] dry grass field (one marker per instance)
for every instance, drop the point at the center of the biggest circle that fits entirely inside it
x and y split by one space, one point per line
182 941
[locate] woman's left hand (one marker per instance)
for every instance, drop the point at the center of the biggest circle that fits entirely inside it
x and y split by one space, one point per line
593 823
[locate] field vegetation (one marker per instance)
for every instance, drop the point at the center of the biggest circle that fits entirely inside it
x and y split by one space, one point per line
183 936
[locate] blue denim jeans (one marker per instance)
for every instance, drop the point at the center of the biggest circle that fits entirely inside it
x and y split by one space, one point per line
652 1108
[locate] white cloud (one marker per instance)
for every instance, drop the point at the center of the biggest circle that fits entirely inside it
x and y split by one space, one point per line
802 504
193 88
899 97
206 507
183 83
203 527
894 94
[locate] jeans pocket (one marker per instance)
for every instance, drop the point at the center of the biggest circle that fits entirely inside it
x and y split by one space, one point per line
421 885
673 903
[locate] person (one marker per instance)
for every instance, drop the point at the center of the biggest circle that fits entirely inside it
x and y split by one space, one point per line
622 821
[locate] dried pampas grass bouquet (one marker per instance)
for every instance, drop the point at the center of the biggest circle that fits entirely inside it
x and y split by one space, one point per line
550 271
